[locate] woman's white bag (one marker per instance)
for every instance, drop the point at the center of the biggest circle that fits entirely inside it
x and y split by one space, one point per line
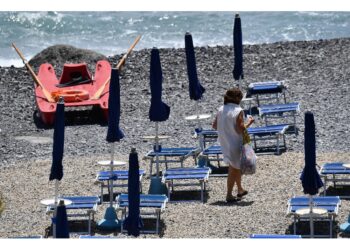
248 160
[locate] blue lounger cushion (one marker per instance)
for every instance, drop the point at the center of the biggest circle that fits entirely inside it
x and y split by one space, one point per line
186 173
213 149
334 168
146 200
268 130
274 236
279 108
319 200
174 152
81 202
265 88
117 175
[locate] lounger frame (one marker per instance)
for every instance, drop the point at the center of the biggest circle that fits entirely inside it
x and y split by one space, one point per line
151 206
335 172
330 203
280 111
81 207
119 179
172 155
271 90
186 177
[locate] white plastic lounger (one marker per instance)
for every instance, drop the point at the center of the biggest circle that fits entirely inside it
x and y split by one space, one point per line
280 111
119 177
185 177
325 208
172 155
336 172
274 236
272 90
81 206
272 132
151 206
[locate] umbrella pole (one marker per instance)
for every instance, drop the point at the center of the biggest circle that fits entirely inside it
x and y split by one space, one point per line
110 220
111 180
55 211
311 219
157 150
199 127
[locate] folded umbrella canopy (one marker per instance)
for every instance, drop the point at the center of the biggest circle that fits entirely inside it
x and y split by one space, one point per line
133 222
158 111
310 179
238 49
58 143
195 88
114 133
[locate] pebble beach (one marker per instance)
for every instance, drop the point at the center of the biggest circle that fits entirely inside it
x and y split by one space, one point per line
316 74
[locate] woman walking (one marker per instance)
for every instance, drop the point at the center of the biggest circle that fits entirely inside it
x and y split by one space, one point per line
229 122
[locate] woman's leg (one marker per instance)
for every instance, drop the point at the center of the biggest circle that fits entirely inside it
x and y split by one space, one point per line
238 179
230 182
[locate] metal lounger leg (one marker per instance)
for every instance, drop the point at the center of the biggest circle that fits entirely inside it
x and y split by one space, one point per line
295 225
202 190
158 221
278 144
295 124
150 167
89 223
330 227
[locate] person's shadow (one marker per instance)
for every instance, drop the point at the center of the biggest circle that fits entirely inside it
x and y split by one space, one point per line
241 203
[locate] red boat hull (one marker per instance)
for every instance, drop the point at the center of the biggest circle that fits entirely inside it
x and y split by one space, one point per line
48 78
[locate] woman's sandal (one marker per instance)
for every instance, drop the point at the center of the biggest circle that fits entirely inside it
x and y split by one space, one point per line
231 199
242 194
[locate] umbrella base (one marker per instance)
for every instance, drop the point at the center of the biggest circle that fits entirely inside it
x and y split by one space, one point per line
157 187
345 228
110 221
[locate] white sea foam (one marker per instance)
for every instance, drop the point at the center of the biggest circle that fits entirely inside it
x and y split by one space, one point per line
105 31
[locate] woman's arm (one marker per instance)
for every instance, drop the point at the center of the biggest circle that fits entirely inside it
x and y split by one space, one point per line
240 126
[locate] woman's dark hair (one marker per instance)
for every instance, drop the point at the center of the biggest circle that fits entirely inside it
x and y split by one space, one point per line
233 95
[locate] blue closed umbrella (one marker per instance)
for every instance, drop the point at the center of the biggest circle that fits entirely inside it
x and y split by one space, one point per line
58 143
195 88
62 230
310 179
56 172
158 111
114 133
238 49
133 222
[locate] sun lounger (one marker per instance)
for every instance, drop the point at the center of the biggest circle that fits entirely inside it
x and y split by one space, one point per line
328 205
274 236
119 177
335 172
271 132
213 153
272 90
95 237
151 206
207 136
280 111
172 155
81 206
185 177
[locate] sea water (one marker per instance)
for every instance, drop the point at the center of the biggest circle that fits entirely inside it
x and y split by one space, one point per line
112 33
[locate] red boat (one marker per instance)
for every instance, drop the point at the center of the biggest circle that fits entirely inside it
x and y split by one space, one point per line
76 85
